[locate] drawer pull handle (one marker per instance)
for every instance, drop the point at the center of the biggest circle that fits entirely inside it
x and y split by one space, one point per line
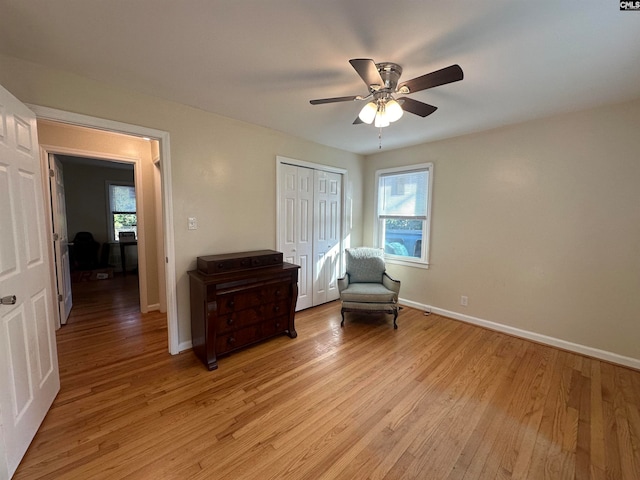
221 265
278 292
277 324
231 304
276 308
229 321
231 340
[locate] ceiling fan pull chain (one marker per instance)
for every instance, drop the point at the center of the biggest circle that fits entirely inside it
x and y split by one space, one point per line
380 139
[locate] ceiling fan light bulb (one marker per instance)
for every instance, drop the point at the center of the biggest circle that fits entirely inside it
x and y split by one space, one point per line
382 120
368 112
393 110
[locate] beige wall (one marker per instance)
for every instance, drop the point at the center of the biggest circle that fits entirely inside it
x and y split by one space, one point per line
118 146
538 224
223 170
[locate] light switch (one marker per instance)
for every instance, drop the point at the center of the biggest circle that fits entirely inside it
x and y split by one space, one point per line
193 223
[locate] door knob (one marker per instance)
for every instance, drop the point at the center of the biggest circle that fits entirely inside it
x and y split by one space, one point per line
8 300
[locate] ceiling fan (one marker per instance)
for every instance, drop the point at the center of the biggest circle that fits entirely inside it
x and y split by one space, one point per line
382 81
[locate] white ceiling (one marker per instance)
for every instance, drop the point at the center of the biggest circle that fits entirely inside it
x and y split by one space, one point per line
262 61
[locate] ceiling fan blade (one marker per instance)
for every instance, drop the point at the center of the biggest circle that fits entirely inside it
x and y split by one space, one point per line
368 71
357 121
334 100
417 108
446 75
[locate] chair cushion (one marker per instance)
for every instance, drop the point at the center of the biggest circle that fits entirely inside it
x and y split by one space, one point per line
370 307
367 293
365 265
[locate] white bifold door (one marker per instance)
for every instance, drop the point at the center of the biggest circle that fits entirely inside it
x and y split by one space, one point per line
310 230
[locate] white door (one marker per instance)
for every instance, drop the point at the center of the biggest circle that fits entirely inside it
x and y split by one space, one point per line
327 200
60 238
29 378
296 227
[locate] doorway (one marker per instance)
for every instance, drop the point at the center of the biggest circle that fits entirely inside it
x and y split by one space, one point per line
159 189
88 153
93 202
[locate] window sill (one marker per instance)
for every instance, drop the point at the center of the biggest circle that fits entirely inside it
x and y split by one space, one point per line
405 263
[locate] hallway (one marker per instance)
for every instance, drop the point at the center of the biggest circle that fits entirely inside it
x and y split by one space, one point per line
105 329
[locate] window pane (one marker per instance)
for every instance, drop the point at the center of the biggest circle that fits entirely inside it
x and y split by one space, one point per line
403 237
124 222
403 194
123 198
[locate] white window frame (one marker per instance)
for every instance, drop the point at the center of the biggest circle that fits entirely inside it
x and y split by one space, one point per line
423 261
110 226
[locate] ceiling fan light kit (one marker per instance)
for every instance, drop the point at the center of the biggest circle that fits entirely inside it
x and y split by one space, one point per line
385 111
368 112
393 110
381 79
382 120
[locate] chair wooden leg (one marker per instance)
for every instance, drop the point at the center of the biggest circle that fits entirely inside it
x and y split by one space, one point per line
395 318
342 322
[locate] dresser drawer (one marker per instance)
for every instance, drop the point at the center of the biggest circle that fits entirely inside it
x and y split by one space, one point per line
277 291
235 320
249 316
266 260
274 326
276 308
216 264
233 302
238 338
229 265
240 300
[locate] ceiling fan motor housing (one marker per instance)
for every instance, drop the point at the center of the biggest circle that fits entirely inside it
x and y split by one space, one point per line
390 73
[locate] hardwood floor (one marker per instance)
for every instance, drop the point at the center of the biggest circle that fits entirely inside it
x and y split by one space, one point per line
435 399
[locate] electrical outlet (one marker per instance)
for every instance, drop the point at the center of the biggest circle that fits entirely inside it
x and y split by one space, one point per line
464 301
193 223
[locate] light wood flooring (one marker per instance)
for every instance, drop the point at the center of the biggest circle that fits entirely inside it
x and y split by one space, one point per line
435 399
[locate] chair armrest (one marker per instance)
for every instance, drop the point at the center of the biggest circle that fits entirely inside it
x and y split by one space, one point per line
391 284
343 283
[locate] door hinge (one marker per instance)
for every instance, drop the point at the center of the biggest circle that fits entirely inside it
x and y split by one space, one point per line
56 237
59 297
52 173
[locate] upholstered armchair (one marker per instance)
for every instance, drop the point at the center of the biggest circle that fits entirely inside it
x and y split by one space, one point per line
367 287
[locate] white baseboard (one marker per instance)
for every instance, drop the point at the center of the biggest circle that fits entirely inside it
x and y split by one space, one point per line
536 337
184 346
153 307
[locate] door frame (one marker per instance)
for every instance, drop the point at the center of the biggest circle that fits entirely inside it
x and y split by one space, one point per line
46 113
345 237
45 150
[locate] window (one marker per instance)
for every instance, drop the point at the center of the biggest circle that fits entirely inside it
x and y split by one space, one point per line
403 213
122 209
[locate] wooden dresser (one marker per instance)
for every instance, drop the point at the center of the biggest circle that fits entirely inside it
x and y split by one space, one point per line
238 299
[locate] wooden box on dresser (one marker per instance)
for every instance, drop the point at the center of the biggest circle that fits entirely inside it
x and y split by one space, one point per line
238 299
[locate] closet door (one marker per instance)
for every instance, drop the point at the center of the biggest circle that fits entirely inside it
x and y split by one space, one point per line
296 226
327 201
